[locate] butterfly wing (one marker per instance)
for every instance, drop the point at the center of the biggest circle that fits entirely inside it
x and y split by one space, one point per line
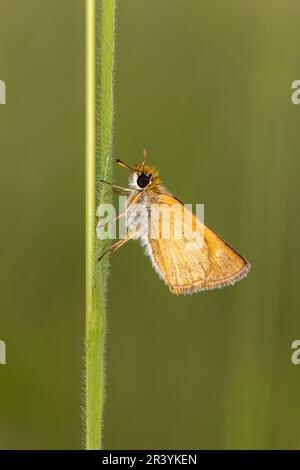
191 257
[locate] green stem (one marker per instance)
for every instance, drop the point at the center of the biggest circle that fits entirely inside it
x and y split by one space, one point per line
100 26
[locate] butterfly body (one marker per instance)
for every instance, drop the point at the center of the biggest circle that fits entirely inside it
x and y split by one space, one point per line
189 256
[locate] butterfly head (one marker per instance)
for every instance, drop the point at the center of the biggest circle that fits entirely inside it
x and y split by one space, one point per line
142 175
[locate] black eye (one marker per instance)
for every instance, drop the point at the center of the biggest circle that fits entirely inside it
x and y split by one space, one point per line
143 180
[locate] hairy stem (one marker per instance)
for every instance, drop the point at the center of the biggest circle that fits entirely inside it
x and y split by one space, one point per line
100 28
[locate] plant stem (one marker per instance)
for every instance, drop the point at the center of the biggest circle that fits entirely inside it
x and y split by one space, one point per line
100 20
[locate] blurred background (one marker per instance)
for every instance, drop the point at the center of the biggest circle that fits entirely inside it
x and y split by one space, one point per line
206 87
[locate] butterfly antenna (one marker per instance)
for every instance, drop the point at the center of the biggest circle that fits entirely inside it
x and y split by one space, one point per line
145 155
124 165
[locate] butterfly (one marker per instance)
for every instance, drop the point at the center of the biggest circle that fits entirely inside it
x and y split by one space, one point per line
189 257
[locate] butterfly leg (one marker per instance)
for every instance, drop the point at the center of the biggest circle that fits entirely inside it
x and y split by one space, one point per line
122 192
134 200
118 244
115 186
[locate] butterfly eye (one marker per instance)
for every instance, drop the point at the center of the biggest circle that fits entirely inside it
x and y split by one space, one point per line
143 180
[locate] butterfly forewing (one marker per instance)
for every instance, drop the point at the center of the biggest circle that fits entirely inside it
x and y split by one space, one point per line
189 256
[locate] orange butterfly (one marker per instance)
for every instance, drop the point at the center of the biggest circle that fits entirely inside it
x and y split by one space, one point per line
189 256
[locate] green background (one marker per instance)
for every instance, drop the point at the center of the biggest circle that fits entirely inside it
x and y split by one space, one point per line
206 87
